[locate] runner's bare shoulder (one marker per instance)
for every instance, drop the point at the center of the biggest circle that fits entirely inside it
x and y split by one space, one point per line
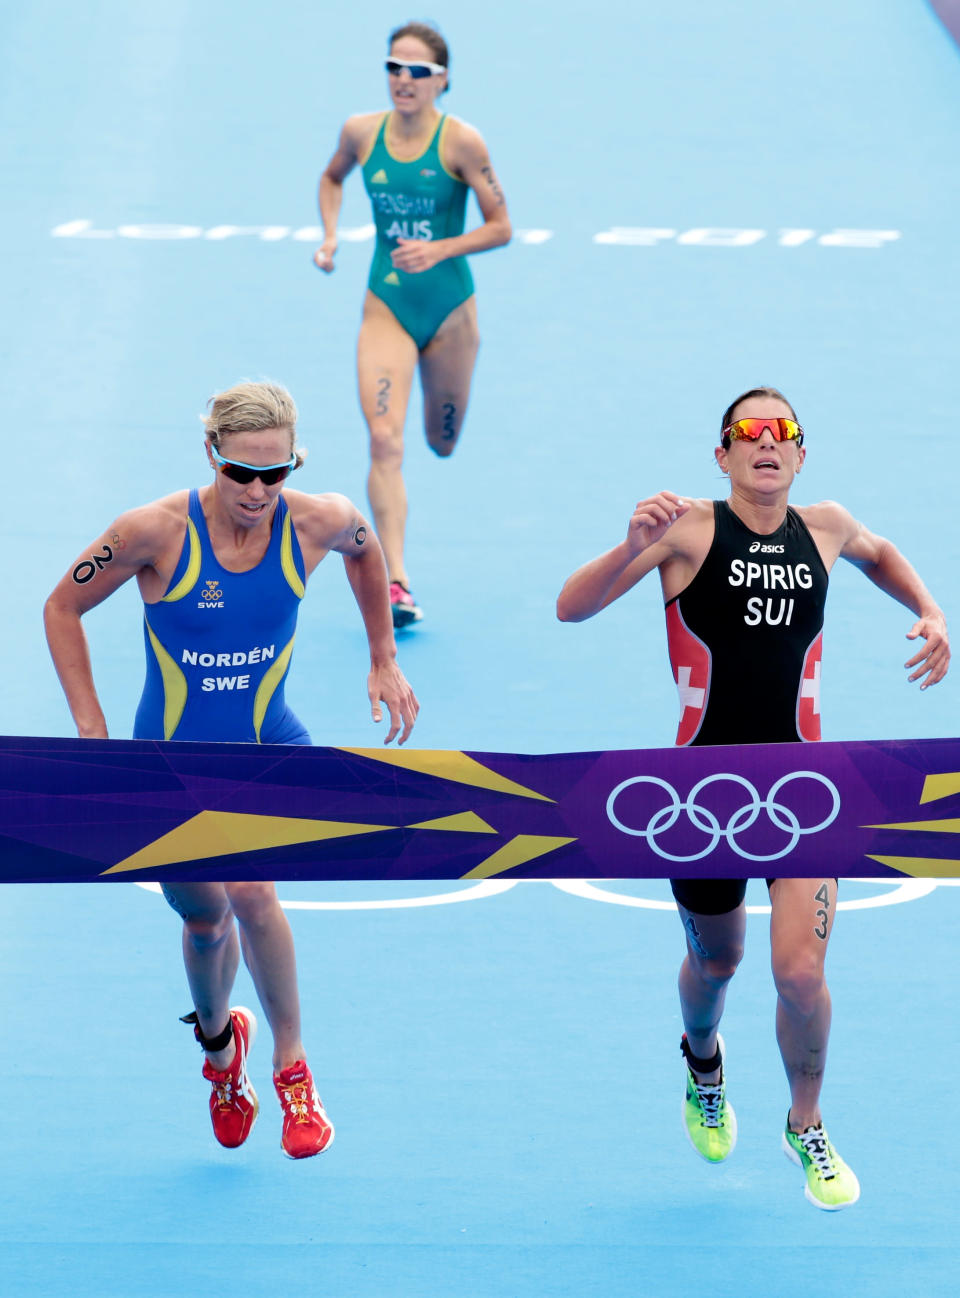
322 519
464 148
692 528
150 529
828 516
458 131
359 133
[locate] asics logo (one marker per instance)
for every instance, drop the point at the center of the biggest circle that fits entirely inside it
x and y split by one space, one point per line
758 547
704 820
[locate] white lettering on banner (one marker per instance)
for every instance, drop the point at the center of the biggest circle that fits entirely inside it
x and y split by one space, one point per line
628 236
234 658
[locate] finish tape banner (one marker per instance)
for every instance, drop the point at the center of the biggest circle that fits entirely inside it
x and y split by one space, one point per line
75 810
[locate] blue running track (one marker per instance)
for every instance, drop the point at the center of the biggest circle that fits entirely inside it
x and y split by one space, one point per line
707 197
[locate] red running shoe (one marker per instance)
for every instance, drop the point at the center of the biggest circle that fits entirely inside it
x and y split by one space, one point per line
403 606
306 1128
233 1101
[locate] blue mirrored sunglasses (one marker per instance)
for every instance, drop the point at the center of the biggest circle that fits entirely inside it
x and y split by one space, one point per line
237 471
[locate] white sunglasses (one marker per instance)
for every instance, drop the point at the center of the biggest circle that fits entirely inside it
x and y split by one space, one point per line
417 68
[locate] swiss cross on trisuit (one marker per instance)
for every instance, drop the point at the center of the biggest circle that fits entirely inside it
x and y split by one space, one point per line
808 701
692 659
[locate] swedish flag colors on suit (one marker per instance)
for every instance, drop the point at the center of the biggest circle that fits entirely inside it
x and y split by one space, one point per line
219 643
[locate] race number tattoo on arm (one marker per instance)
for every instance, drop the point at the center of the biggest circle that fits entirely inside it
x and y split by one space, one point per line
491 179
383 396
449 421
823 896
87 569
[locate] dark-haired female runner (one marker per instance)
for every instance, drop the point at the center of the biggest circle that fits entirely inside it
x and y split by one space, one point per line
744 582
420 310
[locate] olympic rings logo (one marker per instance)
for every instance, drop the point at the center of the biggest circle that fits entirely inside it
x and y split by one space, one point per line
704 820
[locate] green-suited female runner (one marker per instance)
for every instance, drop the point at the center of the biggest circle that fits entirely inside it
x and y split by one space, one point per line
419 310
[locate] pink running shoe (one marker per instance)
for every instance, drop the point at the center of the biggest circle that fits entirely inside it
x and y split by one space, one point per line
233 1101
306 1128
403 606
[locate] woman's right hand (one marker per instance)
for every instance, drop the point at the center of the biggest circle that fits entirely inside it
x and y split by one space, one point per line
323 257
652 519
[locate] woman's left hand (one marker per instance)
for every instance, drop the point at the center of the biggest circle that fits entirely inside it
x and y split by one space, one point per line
932 661
387 684
416 255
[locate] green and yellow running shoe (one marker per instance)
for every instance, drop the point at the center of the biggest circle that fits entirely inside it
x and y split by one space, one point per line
708 1120
830 1183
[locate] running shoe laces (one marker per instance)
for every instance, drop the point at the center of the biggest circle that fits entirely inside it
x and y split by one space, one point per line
296 1100
709 1121
306 1128
233 1101
817 1148
223 1092
710 1095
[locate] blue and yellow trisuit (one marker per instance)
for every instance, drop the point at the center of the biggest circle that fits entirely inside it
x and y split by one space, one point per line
416 199
219 643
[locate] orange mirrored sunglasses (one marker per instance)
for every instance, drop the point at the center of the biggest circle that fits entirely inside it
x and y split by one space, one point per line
751 430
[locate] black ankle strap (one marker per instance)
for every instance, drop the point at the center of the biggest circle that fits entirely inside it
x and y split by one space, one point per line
696 1063
210 1044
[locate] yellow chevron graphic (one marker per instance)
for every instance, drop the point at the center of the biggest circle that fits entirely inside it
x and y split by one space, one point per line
464 822
522 848
932 826
379 178
940 786
446 765
223 833
392 278
920 867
